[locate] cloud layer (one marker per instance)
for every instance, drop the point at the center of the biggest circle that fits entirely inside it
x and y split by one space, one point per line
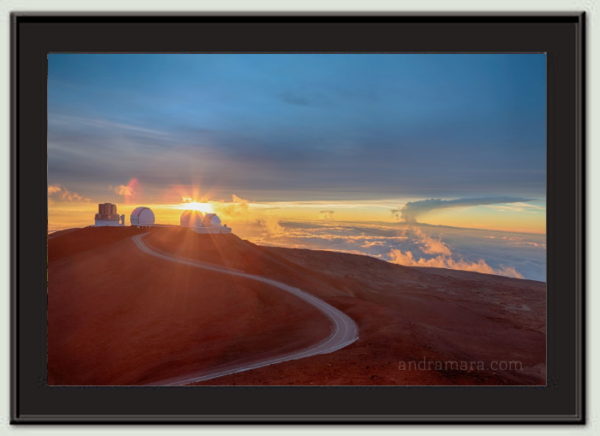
443 257
414 209
129 192
516 255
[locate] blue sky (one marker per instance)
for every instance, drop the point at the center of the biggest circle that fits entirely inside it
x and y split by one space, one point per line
300 126
418 159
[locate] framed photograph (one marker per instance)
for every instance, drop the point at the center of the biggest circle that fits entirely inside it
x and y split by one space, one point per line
297 218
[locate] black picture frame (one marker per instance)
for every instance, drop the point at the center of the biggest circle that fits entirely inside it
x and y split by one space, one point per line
560 35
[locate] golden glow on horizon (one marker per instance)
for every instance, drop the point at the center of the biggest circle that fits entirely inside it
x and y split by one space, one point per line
66 214
528 220
194 205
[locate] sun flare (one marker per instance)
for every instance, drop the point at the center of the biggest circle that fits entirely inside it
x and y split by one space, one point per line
194 205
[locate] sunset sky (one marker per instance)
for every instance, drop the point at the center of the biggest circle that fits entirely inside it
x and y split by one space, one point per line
276 140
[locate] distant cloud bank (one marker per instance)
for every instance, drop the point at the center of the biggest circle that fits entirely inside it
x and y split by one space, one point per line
414 209
518 255
442 257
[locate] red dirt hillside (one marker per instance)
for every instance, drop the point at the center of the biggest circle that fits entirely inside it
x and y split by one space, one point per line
412 319
119 316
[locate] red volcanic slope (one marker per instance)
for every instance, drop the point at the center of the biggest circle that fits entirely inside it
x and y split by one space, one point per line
145 319
119 316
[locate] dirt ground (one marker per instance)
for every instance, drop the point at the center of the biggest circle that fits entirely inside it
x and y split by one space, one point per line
118 316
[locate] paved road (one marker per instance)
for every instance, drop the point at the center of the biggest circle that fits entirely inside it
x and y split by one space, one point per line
343 333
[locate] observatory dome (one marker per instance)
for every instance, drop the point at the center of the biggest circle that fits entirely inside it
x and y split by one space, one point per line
191 218
211 220
202 223
142 216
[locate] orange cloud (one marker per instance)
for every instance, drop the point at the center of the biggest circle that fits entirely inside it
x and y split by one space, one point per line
270 225
58 192
130 191
237 207
124 190
430 245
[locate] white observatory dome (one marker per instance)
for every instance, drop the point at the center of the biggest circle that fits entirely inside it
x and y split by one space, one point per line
212 220
142 216
191 218
202 223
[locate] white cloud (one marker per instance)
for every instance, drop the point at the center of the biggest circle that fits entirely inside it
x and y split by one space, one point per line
407 258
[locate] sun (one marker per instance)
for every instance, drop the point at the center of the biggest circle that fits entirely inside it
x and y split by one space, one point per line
194 205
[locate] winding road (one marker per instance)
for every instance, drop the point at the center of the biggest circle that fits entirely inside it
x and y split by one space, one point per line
344 330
